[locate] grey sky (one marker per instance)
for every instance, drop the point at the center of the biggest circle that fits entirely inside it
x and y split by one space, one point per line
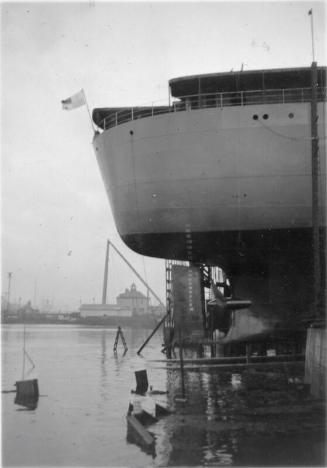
53 199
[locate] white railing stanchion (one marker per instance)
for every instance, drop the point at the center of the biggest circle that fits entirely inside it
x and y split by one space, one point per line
207 100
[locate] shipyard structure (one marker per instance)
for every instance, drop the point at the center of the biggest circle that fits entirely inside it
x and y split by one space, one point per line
220 183
132 308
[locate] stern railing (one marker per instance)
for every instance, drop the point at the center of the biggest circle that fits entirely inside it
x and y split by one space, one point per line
213 100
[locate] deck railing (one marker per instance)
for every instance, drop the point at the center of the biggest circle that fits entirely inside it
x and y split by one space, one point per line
213 100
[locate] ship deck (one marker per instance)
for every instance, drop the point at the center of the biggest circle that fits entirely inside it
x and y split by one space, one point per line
109 117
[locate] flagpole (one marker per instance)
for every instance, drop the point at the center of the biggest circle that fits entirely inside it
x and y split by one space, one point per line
88 110
312 35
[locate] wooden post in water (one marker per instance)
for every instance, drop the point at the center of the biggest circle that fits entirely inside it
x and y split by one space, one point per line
248 352
141 382
315 191
121 335
8 293
180 343
105 278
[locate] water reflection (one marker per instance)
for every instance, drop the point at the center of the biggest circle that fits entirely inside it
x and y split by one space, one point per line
83 420
103 366
221 456
236 381
218 424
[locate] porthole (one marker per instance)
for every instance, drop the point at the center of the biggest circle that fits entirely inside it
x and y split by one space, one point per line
265 116
255 117
291 115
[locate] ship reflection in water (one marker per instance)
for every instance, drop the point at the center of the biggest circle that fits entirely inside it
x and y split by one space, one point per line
242 419
230 418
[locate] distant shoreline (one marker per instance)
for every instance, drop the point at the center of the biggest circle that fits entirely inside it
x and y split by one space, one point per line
112 321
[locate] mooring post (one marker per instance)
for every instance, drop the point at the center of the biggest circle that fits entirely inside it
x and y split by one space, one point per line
142 383
105 276
123 339
315 192
121 335
116 341
248 352
181 360
213 350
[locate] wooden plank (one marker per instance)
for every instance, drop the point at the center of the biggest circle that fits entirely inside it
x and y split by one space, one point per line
144 437
235 359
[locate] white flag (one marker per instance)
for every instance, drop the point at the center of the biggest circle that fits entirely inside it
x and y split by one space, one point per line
77 100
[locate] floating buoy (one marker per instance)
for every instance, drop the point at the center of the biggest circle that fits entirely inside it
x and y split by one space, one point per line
27 389
27 393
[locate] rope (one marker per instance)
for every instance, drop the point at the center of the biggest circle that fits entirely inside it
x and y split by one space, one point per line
30 359
298 139
286 136
25 354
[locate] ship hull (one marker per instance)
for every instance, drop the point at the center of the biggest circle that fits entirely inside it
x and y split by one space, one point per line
273 268
212 170
221 187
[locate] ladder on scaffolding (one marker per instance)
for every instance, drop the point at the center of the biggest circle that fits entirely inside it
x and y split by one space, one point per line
169 320
169 303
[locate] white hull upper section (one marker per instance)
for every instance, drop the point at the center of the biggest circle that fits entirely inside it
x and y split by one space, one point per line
212 169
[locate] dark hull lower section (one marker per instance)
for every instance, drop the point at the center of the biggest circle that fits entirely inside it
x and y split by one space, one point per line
272 268
225 247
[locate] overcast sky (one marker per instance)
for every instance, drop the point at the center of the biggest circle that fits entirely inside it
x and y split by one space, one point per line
55 213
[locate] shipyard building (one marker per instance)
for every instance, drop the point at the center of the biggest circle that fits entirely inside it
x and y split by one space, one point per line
130 303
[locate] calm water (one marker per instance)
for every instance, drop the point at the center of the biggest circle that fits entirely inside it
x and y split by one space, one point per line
80 419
